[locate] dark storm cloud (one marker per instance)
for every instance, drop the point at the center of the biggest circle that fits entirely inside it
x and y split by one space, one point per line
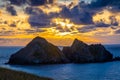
66 13
42 19
112 5
99 3
37 2
84 12
102 23
80 14
33 11
39 20
18 2
83 18
11 10
77 14
31 2
104 3
37 17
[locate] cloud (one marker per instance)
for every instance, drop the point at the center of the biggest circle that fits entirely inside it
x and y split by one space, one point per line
6 32
114 21
33 11
18 2
117 31
102 24
80 14
81 19
99 3
13 25
31 31
112 5
37 2
31 2
65 12
39 20
87 28
77 15
104 3
11 10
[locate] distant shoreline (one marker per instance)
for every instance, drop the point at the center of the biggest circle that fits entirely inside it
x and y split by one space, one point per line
7 74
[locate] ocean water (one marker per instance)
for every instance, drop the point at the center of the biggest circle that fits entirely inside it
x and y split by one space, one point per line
92 71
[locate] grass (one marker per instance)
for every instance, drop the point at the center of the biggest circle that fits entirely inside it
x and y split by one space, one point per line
6 74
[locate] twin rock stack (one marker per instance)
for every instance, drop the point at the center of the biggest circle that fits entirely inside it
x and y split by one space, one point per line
40 51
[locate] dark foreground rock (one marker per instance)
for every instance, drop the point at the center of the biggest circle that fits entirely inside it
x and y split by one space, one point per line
80 52
7 74
38 51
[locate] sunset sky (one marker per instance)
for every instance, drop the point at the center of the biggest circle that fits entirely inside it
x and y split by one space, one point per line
59 21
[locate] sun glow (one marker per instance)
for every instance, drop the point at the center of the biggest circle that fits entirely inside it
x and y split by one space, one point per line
60 30
64 26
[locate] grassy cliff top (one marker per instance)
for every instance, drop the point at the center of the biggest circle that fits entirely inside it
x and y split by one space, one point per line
6 74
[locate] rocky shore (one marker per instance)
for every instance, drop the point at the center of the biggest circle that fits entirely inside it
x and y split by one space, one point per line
40 51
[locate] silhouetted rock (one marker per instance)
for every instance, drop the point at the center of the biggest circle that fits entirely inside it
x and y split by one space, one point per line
38 51
78 52
82 53
99 53
68 53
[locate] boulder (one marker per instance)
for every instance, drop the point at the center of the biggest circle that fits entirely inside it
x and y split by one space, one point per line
80 52
38 51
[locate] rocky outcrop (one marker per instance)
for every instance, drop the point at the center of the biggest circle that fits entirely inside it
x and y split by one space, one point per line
99 53
38 51
78 52
82 53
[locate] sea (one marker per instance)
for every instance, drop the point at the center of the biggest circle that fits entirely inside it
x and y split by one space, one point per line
91 71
